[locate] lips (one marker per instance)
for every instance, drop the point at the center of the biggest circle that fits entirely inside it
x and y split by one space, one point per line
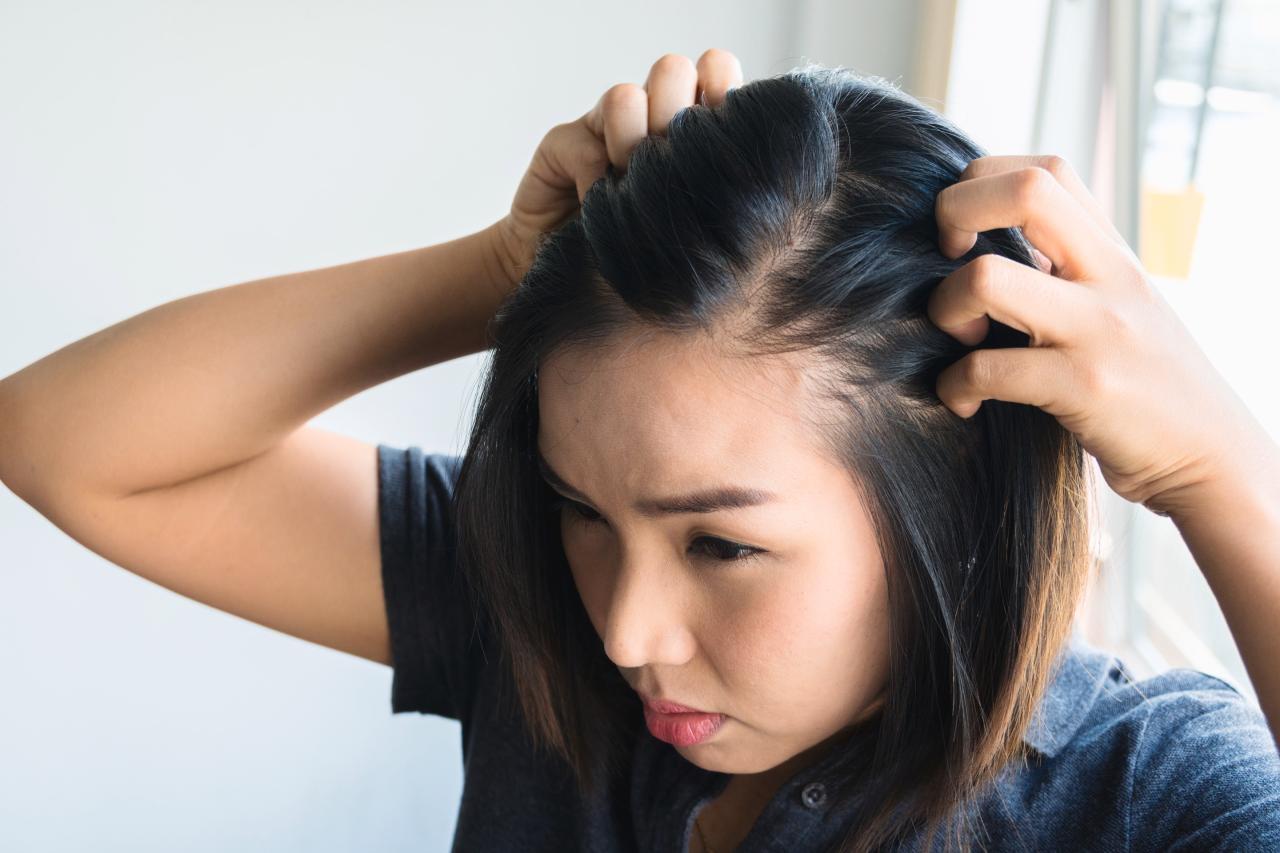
679 724
666 706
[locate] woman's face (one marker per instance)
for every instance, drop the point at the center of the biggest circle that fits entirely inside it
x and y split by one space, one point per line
790 643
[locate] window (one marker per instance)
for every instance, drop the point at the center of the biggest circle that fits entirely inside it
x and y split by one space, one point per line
1170 111
1205 152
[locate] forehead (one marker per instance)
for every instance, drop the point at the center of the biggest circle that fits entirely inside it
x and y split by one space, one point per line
655 408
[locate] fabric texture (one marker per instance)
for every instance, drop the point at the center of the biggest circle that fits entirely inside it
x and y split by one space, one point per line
1180 761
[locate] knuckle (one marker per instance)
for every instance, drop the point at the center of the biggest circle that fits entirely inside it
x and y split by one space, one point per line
1093 379
1116 323
567 131
976 369
985 276
1057 166
561 137
1031 184
558 131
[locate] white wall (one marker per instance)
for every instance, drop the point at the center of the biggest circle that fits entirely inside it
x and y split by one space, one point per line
150 150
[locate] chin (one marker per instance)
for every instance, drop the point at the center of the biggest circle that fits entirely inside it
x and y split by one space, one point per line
713 758
725 758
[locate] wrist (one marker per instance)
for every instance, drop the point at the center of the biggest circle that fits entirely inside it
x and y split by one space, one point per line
1245 480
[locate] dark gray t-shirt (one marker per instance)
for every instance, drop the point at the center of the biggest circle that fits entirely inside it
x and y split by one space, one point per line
1180 761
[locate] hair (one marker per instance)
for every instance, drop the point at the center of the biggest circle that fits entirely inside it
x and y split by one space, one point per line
802 208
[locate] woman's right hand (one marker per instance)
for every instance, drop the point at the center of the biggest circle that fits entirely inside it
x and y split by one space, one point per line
572 156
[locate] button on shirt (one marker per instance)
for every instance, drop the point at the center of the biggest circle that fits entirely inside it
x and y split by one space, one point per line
814 795
1179 761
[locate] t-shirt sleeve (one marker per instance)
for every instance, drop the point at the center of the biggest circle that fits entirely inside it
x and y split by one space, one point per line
436 645
1207 772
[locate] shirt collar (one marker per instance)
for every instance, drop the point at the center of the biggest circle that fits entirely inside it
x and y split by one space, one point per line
1081 672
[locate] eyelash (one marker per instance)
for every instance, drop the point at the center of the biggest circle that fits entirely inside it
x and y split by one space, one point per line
582 512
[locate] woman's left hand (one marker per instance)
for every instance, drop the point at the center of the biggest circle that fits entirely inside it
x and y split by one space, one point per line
1108 356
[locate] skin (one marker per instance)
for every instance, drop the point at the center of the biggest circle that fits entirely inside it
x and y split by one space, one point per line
792 644
1109 358
762 639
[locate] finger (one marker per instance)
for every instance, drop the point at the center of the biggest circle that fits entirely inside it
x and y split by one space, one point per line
1036 376
1054 165
576 157
621 119
672 85
991 286
718 72
1031 199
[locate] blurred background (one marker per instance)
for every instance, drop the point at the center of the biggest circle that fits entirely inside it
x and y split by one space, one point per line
151 150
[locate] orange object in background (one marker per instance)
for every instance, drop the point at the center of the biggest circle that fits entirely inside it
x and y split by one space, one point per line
1167 232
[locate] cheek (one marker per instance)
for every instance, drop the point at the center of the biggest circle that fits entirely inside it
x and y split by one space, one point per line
818 626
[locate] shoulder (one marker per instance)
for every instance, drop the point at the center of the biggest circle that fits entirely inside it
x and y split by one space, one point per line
415 494
410 469
1201 763
1167 714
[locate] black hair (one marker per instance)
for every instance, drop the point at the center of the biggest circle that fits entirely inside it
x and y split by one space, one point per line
803 208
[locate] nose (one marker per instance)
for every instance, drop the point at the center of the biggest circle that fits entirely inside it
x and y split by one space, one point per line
646 621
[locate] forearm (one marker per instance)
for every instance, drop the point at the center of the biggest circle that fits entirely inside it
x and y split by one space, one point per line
210 380
1231 525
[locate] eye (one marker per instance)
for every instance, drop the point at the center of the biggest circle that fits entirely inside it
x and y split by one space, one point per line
581 511
726 551
721 550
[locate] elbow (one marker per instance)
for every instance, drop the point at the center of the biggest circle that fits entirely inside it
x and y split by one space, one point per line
16 467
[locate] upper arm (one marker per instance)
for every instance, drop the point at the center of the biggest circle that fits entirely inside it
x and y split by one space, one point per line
288 539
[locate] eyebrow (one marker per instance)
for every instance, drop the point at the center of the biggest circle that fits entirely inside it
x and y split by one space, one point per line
708 500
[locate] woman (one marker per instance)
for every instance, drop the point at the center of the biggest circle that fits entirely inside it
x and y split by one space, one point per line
786 424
